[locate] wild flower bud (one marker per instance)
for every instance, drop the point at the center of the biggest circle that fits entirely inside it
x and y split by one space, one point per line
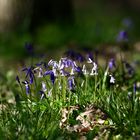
17 79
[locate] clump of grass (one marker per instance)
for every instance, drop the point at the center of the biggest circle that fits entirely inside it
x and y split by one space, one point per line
72 98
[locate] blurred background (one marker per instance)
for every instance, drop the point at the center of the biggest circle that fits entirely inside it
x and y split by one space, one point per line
52 26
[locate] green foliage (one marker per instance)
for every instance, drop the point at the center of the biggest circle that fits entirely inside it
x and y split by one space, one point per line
28 117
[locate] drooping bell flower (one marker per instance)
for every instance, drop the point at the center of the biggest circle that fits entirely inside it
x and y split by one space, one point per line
52 77
71 83
79 57
29 74
78 70
17 79
128 69
53 63
44 89
89 56
84 70
66 63
90 61
27 87
112 79
134 88
40 71
29 48
111 63
122 36
94 69
70 53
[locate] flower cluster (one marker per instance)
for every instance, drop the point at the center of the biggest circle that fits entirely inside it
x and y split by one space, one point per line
44 77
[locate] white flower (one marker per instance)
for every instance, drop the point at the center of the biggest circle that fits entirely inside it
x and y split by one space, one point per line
112 79
39 70
54 71
84 70
61 64
89 61
94 69
44 89
53 63
40 74
75 64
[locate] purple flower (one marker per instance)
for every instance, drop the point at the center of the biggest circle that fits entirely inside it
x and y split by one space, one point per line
29 74
17 79
42 64
90 56
79 57
51 73
122 36
39 64
70 53
111 63
74 55
129 69
53 63
71 83
78 69
44 89
27 87
29 48
64 62
134 87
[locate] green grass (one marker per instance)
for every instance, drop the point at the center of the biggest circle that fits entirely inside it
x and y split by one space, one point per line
29 117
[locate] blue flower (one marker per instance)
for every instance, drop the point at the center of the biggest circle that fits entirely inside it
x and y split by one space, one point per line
51 73
134 88
111 63
27 87
65 63
71 83
29 74
70 53
53 63
129 69
122 36
75 56
17 79
29 47
78 69
79 57
90 56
